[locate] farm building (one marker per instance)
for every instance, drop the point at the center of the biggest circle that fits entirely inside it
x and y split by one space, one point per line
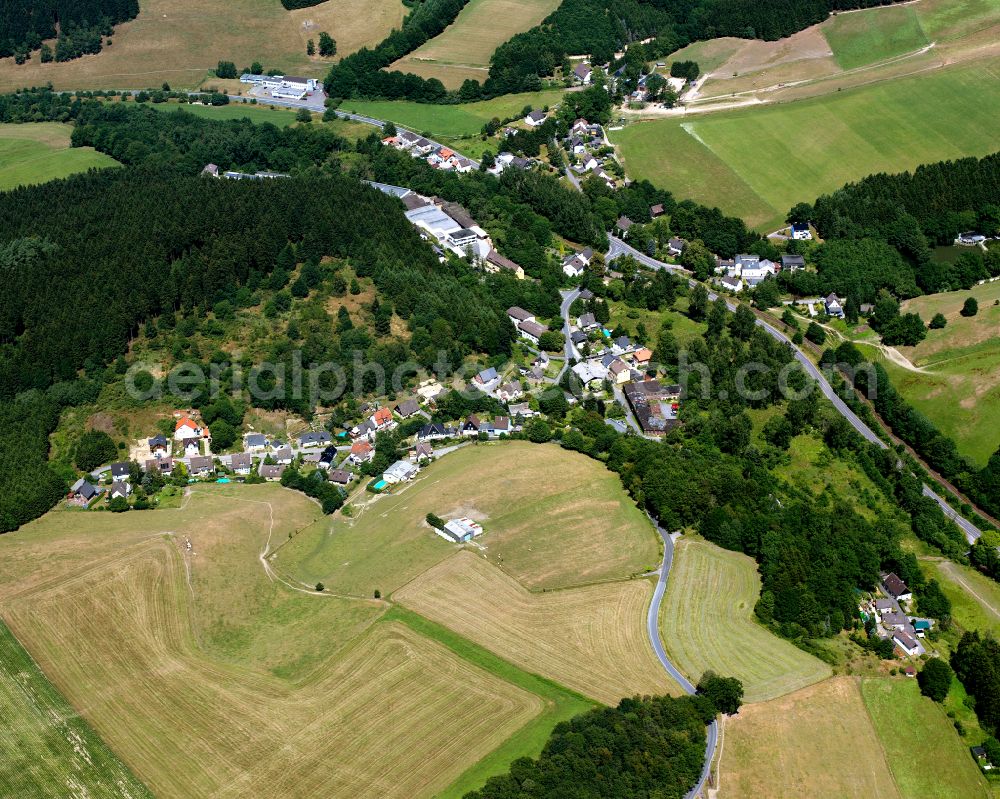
461 529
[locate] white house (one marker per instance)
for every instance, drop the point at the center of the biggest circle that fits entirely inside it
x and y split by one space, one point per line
461 529
187 428
532 331
583 73
400 471
535 119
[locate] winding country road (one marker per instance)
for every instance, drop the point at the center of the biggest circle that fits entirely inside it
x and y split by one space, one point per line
653 630
972 533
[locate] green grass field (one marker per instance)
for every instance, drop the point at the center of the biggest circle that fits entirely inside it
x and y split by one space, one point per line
960 391
927 758
464 49
757 163
860 39
281 117
48 750
37 152
707 623
552 518
451 121
975 598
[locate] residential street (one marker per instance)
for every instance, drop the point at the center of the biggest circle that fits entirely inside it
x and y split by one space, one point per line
972 533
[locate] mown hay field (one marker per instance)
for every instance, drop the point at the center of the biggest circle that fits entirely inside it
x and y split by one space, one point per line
592 639
46 748
859 39
707 623
464 49
208 678
179 41
816 743
37 152
551 517
925 754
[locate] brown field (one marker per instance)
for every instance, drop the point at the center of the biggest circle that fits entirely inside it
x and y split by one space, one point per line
179 41
553 518
592 640
463 50
197 669
818 742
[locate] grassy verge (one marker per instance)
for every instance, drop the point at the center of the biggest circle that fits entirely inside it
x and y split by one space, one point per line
561 703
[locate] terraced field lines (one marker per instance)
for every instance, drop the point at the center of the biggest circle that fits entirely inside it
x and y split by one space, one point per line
927 758
591 640
46 748
814 744
707 623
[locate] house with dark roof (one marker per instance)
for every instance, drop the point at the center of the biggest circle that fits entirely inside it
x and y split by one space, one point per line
83 491
434 431
120 471
272 472
158 446
517 314
471 426
654 404
241 463
656 210
119 488
314 439
623 225
509 391
793 262
341 477
495 262
833 305
283 456
254 442
486 376
201 466
535 119
408 408
676 246
532 331
587 322
583 73
164 466
327 457
423 451
896 588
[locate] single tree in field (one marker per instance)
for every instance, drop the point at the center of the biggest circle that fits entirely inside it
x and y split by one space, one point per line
815 333
938 322
971 307
303 115
310 48
726 693
257 68
935 679
327 46
320 588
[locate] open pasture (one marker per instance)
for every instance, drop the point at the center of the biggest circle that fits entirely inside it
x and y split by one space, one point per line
591 640
464 49
960 388
757 162
37 152
860 39
124 625
552 518
179 41
707 623
816 743
927 758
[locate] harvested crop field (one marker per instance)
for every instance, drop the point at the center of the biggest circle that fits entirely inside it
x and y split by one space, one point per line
814 744
707 623
124 625
591 640
179 41
48 749
552 518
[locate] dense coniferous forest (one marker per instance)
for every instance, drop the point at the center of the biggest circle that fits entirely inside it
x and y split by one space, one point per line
598 28
81 24
597 755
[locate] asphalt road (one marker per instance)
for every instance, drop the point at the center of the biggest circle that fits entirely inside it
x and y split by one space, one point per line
653 630
570 349
972 533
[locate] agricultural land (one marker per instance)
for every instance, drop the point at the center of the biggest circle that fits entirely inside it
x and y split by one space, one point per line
706 622
464 49
862 78
38 152
179 41
231 677
813 739
591 639
957 381
49 750
927 758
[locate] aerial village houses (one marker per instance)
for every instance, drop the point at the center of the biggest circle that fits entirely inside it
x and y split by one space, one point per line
272 472
535 119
